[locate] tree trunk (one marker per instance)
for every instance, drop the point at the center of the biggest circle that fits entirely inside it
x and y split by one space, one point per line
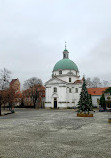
0 110
4 106
9 106
34 104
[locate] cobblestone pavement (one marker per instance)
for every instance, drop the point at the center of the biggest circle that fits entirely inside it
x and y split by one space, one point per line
54 134
5 112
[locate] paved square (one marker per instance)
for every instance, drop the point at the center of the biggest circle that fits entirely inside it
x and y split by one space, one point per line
54 134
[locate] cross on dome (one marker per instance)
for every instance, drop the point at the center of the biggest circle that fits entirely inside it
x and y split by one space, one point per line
65 45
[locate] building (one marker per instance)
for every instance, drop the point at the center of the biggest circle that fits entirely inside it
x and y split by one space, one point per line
108 99
14 89
15 84
63 89
12 95
96 94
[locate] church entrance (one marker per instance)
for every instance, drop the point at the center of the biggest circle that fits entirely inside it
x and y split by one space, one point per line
55 103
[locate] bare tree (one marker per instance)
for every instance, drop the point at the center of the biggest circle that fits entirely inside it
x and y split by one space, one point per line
5 76
0 102
11 97
105 83
89 82
96 82
31 82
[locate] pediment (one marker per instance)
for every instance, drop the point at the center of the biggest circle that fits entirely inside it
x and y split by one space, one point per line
70 73
55 81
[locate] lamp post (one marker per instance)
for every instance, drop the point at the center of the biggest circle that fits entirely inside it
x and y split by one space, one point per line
108 105
109 115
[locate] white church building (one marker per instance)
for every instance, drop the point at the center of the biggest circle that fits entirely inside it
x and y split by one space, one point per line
63 89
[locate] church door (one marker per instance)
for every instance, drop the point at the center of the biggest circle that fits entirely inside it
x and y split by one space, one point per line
55 103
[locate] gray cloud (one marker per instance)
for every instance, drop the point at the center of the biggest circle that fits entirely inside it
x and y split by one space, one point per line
32 35
99 60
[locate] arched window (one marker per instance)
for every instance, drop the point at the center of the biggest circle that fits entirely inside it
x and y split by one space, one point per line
60 71
55 89
70 91
69 79
76 90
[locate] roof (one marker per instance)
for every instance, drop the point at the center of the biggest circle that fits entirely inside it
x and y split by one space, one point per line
66 50
13 80
96 91
65 64
55 78
78 81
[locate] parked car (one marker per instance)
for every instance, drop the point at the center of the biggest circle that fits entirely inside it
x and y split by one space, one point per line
101 109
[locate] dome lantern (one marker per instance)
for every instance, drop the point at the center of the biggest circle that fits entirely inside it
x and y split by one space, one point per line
65 53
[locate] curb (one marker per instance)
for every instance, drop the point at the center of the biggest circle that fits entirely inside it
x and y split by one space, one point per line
7 113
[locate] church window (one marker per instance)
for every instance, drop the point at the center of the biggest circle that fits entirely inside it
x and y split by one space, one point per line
55 89
60 72
69 79
70 91
76 90
64 55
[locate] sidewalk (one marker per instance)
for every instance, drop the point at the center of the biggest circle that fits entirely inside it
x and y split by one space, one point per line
5 112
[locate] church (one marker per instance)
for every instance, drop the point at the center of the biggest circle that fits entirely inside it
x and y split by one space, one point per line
63 89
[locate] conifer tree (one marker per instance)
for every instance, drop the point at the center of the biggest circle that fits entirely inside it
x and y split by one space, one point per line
90 102
85 102
103 102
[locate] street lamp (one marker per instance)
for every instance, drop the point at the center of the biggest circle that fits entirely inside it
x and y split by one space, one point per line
108 105
109 115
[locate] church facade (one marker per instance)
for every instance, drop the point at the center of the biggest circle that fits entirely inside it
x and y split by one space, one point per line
63 89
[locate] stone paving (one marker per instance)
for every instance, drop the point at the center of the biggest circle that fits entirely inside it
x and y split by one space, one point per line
44 133
5 112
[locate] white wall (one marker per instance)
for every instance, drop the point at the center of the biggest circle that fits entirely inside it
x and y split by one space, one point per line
64 98
94 100
64 72
65 76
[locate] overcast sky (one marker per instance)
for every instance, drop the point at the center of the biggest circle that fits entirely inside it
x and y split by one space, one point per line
33 32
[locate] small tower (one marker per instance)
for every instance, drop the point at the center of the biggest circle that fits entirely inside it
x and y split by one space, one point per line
65 53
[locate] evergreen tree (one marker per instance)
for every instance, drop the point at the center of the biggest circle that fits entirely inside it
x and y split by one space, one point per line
108 90
103 102
90 102
85 102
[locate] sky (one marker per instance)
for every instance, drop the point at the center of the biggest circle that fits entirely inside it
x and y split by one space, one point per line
33 35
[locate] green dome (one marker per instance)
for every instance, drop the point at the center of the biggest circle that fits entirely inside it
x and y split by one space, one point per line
65 64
